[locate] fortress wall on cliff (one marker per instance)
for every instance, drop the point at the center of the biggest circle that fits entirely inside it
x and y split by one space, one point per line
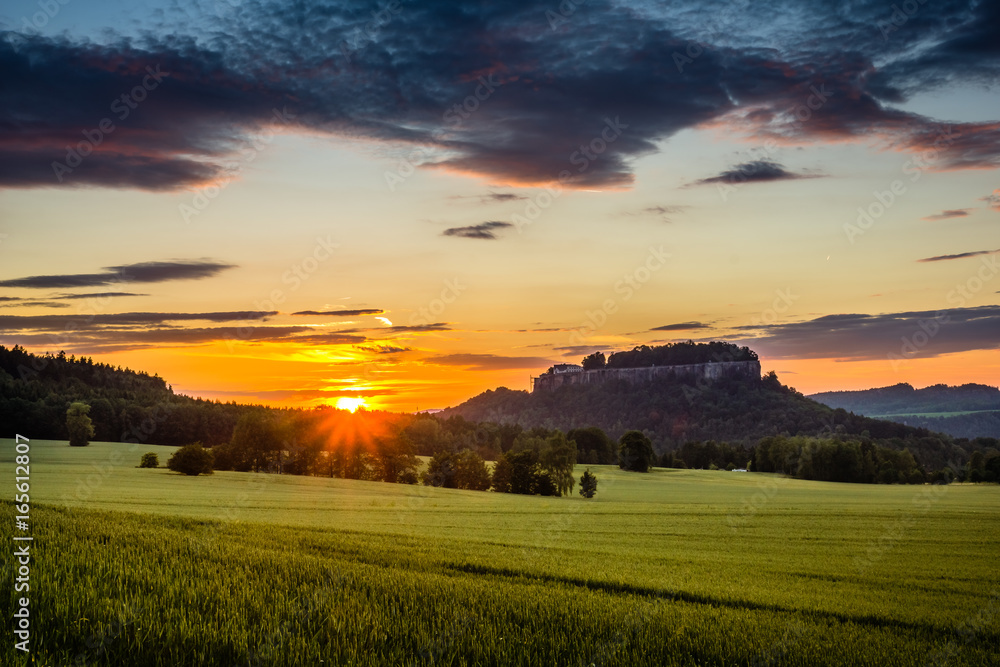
710 371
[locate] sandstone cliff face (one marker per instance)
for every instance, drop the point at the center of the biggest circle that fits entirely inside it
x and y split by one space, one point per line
710 371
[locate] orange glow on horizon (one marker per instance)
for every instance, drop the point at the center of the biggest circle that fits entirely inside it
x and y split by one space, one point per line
282 375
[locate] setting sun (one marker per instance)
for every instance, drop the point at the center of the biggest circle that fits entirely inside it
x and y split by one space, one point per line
350 403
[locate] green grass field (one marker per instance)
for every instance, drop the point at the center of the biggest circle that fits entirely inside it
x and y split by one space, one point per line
146 567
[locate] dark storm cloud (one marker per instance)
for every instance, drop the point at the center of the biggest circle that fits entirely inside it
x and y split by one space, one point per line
755 171
484 230
859 337
961 255
490 89
143 272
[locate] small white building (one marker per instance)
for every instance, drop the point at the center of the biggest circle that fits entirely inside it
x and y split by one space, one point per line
567 368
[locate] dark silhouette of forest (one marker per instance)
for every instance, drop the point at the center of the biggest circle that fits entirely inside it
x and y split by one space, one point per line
535 438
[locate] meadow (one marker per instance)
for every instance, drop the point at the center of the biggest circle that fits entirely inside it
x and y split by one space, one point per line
675 567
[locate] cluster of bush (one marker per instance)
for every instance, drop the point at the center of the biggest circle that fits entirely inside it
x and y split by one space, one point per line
361 446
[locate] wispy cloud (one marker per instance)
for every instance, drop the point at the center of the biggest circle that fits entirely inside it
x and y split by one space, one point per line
493 197
961 255
342 313
861 336
948 214
143 272
383 349
75 322
96 295
487 362
755 171
681 326
484 230
123 339
993 200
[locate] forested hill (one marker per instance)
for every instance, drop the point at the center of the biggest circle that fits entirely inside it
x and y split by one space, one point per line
903 399
35 391
673 413
966 411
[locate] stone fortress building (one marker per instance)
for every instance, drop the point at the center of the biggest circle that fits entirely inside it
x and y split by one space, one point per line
564 374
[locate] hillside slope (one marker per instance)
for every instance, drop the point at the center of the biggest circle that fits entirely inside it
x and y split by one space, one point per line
685 411
125 405
966 411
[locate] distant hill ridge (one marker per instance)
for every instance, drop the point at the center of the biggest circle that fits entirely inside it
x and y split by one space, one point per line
691 409
932 407
902 398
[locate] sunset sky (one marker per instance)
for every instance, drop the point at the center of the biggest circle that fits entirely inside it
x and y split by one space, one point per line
415 202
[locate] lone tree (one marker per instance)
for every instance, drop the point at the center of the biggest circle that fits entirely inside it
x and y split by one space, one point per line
78 424
149 460
635 452
557 459
470 471
191 460
588 484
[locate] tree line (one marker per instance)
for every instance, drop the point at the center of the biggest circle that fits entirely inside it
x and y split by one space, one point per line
671 354
49 396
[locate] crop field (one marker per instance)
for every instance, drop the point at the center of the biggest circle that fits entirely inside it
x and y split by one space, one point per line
147 567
